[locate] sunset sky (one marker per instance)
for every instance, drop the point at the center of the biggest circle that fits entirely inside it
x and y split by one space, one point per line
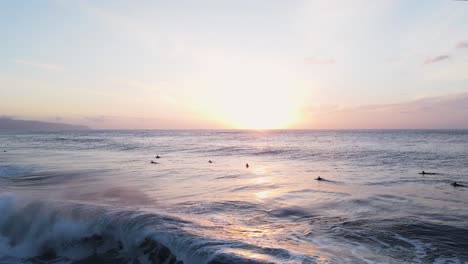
236 64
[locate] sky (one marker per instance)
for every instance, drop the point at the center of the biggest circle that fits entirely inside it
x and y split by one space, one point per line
236 64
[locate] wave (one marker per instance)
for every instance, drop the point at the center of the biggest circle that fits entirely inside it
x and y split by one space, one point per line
221 150
89 142
38 232
14 170
271 152
409 240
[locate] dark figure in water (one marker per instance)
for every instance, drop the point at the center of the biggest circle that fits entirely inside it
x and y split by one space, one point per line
157 156
154 162
455 184
4 151
319 178
210 161
427 173
247 165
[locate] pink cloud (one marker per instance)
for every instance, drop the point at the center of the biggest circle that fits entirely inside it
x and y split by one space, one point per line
437 59
442 112
462 45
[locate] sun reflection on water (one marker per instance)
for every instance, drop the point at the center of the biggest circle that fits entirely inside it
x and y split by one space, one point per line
263 194
260 171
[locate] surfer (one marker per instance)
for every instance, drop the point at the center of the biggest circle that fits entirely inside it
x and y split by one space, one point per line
157 156
455 184
210 161
427 173
247 165
154 162
319 178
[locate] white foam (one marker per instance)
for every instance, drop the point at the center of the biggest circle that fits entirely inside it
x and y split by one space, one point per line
420 247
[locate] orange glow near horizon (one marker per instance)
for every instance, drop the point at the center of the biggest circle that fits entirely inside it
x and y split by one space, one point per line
261 118
247 93
257 110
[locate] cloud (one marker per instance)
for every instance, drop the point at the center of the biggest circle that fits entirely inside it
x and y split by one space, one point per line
437 59
440 112
319 61
462 45
128 122
42 66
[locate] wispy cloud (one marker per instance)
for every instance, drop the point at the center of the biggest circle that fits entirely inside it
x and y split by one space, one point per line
43 66
443 57
447 111
437 59
462 45
129 122
319 61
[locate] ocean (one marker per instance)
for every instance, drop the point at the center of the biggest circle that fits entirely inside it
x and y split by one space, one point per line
95 196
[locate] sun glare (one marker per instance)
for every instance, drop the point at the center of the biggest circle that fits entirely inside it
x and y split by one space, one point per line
259 114
257 109
242 92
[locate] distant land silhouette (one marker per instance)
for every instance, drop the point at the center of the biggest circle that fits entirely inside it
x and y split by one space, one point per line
13 124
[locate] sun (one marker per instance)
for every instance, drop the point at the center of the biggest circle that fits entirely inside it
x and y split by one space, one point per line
259 116
258 111
243 93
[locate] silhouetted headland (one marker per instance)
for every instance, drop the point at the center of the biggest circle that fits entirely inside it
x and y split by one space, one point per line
13 124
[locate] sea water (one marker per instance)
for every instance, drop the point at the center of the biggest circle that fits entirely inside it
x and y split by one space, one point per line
94 196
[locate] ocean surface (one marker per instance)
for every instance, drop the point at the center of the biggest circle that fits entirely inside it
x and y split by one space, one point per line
94 197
